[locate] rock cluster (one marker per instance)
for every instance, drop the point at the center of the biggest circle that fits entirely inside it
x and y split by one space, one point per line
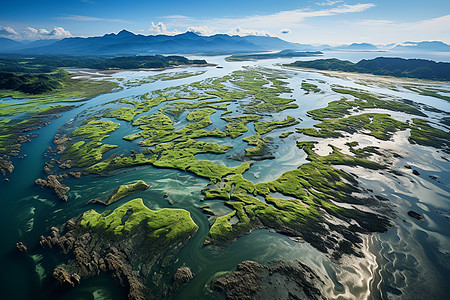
61 143
53 183
21 247
6 166
90 259
64 279
182 276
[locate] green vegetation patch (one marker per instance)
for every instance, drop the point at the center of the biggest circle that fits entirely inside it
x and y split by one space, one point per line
310 88
237 125
423 133
429 92
381 126
161 134
181 156
259 143
158 121
281 54
87 152
162 228
315 187
263 127
126 190
342 107
265 89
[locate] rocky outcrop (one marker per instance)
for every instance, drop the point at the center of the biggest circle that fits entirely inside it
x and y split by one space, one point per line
75 174
61 143
283 280
21 247
6 166
182 276
64 279
93 248
53 183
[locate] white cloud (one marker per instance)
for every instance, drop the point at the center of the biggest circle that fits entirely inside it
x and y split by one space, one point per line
387 31
201 30
7 31
276 21
243 32
329 3
161 28
285 31
43 34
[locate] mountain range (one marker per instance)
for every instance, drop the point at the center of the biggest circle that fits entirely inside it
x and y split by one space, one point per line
127 43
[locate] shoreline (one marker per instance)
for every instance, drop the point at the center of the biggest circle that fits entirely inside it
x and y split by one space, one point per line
368 76
99 73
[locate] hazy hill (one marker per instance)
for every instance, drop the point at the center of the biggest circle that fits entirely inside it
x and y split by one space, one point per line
126 42
398 67
434 46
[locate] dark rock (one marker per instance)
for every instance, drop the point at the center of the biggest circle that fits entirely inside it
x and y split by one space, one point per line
182 276
61 143
21 247
52 183
75 174
64 279
381 198
415 215
6 166
415 172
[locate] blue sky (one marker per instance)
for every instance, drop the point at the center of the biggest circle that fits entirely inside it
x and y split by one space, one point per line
321 21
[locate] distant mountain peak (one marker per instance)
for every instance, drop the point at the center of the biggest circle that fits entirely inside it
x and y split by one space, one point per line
189 34
125 32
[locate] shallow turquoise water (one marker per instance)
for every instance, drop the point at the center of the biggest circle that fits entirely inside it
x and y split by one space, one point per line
410 257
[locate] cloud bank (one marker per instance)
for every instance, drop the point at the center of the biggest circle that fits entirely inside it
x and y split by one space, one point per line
31 33
161 28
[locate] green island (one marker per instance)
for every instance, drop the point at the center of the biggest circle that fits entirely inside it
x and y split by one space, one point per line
381 126
162 77
310 88
362 100
122 192
259 143
84 153
388 66
263 127
280 54
265 98
237 124
132 243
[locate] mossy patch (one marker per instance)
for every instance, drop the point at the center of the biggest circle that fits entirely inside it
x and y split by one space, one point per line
123 191
381 126
263 127
162 228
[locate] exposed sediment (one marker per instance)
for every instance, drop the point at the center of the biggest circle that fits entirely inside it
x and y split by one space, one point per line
283 280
